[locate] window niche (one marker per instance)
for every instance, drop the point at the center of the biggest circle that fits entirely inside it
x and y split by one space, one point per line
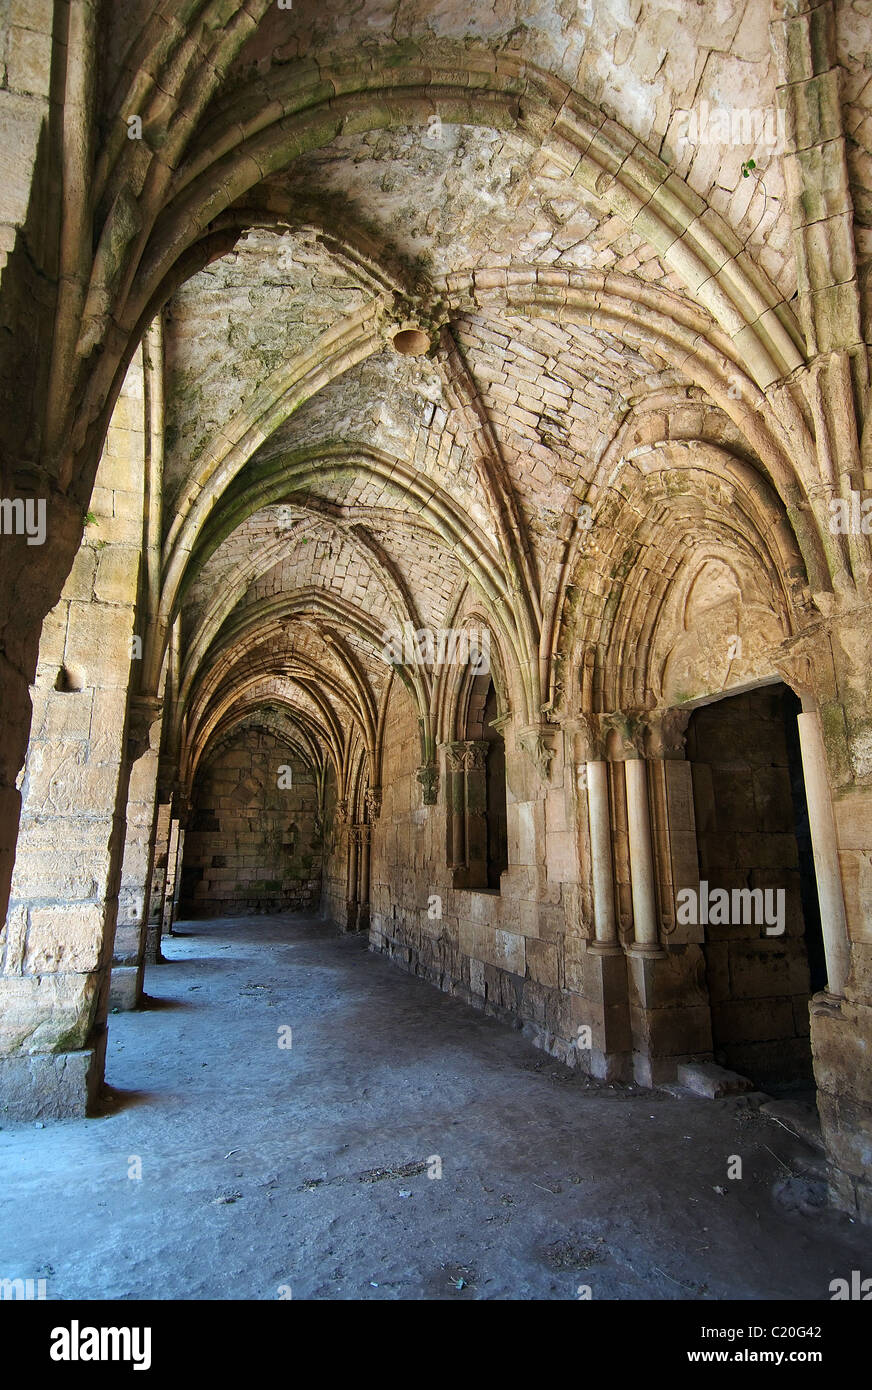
476 795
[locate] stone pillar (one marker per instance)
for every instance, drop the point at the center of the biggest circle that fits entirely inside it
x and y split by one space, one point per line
363 892
351 900
645 925
180 859
170 881
826 852
154 927
468 812
456 828
59 936
128 961
595 968
602 874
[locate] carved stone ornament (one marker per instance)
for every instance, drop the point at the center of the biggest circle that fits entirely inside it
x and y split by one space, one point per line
429 778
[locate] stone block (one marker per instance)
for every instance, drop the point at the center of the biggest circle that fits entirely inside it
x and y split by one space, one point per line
44 1013
117 575
124 988
64 938
98 641
707 1079
543 962
28 61
509 952
60 1085
752 1020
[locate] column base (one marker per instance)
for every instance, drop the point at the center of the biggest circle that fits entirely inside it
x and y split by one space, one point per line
826 1003
124 988
604 948
51 1085
647 950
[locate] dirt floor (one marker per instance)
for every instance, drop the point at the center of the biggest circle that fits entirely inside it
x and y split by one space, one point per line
271 1171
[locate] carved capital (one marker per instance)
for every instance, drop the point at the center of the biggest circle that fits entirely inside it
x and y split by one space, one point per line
475 755
537 741
428 776
630 728
454 756
467 755
805 664
667 731
588 739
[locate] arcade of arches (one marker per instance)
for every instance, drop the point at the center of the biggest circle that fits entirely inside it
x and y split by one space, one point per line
324 327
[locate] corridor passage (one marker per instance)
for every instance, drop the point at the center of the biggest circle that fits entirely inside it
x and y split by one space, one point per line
271 1171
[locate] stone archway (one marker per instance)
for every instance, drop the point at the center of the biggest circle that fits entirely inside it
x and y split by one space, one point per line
761 936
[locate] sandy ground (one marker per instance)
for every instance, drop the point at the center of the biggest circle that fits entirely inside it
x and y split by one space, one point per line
304 1170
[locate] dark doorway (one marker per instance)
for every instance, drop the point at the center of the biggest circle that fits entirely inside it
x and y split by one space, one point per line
752 833
497 831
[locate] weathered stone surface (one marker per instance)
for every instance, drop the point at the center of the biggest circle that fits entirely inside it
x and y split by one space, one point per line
705 1079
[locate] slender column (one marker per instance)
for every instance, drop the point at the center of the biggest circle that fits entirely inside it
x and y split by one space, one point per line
154 926
605 920
177 889
456 806
363 875
475 803
170 885
137 865
467 826
645 926
351 895
826 852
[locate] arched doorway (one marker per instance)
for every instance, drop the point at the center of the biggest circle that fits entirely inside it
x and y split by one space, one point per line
758 903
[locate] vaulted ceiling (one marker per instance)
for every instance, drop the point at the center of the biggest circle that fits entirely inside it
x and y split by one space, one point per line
604 299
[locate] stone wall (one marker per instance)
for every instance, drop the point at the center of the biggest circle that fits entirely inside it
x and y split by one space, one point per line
251 845
527 952
516 952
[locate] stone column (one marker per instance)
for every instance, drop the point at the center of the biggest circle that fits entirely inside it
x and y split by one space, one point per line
645 925
475 774
351 899
826 852
596 990
134 895
599 820
170 882
468 812
58 939
456 807
154 928
180 859
363 893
